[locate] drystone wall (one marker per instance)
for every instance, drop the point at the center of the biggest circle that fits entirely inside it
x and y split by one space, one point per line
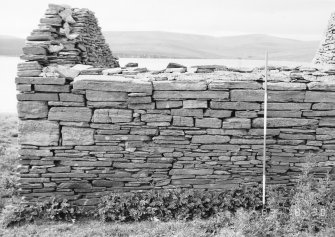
67 36
325 55
99 133
88 127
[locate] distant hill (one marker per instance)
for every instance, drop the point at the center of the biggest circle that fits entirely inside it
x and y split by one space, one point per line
176 45
11 46
158 44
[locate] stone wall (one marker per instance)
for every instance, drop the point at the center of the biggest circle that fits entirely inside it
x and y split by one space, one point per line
67 36
88 128
121 132
325 55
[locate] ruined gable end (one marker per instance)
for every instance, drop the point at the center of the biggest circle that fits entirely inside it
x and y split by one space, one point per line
66 36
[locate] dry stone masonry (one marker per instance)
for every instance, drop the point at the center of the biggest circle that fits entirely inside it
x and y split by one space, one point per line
85 131
326 52
65 36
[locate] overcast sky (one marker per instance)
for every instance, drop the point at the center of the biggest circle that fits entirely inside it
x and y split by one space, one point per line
299 19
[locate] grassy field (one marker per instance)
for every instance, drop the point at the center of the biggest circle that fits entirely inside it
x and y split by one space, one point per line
96 228
8 153
242 223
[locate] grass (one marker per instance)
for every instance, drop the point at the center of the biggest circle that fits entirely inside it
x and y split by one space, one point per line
8 158
96 228
8 142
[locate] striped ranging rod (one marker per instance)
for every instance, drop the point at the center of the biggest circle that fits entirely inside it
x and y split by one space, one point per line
265 120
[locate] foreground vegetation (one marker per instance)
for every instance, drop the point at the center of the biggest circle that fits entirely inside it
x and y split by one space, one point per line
307 210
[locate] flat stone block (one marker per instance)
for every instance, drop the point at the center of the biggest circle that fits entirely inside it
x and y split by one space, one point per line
319 113
233 123
75 114
207 139
106 96
191 181
38 133
34 50
37 97
191 172
288 106
217 113
77 136
179 85
40 80
69 97
289 136
221 85
29 66
107 104
172 95
24 87
284 122
225 147
76 163
29 73
195 104
111 83
286 96
247 95
156 118
52 88
61 169
246 114
35 152
169 104
321 86
208 123
66 104
139 100
107 183
250 141
148 106
112 116
34 180
283 114
141 165
234 105
329 122
117 138
314 96
217 186
187 112
286 86
75 185
183 121
32 109
99 148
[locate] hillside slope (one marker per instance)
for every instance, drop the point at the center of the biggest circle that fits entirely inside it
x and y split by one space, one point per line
166 44
176 45
10 46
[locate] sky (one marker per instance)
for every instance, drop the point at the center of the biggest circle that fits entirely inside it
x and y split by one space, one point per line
297 19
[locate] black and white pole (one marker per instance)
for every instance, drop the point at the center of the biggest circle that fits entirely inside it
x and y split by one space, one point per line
265 120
